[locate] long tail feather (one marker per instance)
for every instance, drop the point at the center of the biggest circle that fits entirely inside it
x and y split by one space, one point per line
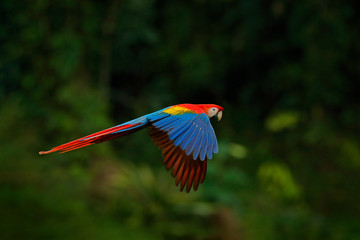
98 137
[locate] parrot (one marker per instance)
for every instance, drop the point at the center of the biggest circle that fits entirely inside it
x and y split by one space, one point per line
182 132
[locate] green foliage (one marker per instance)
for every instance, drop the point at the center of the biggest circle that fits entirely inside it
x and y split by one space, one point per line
278 181
285 72
282 121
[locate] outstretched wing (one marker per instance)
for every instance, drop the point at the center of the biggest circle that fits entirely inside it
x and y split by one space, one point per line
187 140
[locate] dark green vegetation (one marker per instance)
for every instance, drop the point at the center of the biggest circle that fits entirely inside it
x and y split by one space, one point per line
286 72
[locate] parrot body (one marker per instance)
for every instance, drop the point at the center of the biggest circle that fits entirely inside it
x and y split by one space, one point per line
183 132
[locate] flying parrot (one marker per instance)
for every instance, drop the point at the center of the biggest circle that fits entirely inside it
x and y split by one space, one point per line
183 132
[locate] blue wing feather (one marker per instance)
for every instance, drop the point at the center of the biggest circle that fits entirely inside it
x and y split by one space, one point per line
189 136
180 134
198 144
192 132
192 142
215 147
204 145
163 122
210 145
171 125
177 129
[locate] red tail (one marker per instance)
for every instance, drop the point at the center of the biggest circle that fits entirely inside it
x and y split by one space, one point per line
98 137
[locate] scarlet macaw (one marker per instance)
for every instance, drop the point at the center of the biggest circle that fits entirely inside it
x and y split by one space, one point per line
183 132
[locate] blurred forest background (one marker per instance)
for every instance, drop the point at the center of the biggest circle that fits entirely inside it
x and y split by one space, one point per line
286 72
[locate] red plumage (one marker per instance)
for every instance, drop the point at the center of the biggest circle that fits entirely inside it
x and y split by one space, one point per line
185 169
97 137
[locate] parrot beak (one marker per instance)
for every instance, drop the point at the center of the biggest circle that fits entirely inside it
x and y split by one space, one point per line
218 116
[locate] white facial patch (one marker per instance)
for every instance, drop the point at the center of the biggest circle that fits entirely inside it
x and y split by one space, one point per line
212 112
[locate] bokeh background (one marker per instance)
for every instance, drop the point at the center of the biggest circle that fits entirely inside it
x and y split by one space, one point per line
286 72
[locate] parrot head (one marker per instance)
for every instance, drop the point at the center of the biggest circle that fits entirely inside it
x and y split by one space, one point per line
212 110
